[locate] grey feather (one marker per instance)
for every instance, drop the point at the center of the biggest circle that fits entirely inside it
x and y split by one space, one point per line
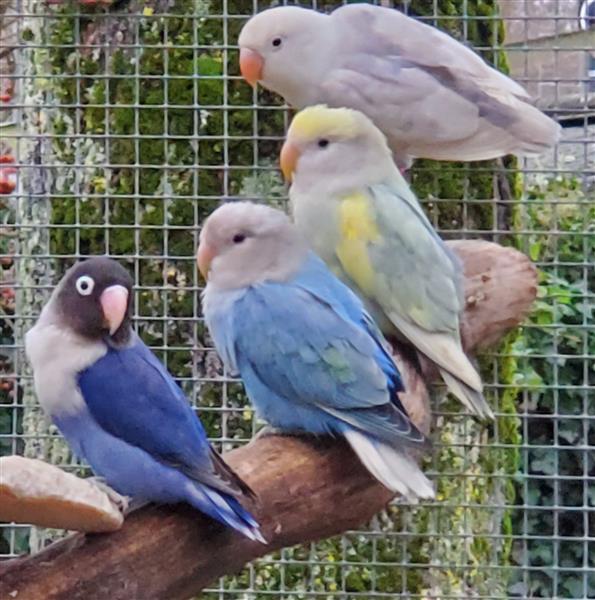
459 97
471 398
391 466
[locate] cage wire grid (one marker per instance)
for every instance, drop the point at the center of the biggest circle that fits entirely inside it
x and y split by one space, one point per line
129 124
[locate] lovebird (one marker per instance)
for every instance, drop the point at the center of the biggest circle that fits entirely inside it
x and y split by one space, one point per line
354 207
118 407
310 357
429 94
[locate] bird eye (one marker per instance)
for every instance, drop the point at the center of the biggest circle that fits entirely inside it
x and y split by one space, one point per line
85 285
276 42
238 238
323 143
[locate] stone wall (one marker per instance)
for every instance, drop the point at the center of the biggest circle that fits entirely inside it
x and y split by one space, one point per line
549 53
529 20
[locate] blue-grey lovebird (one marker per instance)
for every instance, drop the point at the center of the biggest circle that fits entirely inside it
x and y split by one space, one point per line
311 358
116 404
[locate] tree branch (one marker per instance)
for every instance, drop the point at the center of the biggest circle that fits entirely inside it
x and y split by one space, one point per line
309 489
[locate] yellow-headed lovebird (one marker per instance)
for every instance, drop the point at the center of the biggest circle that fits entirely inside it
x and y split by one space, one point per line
429 94
358 213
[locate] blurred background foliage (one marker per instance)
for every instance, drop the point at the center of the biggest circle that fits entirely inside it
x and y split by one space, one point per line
557 373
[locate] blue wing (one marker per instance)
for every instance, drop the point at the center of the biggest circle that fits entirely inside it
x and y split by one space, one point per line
310 342
132 396
316 279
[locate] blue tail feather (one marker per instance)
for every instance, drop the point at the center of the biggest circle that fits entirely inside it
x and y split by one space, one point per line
226 510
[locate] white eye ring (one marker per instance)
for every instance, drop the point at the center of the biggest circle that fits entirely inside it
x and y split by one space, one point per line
84 285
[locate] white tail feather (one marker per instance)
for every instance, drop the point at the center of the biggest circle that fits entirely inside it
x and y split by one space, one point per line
456 369
442 348
393 468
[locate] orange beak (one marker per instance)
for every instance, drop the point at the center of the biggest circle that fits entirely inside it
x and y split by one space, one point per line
114 304
289 158
251 65
204 258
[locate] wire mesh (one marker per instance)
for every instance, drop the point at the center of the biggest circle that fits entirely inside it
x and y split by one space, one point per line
129 123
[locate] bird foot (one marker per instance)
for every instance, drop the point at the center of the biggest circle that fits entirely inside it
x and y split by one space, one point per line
123 503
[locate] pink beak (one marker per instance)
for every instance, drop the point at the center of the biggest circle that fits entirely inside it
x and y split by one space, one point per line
204 257
251 66
114 304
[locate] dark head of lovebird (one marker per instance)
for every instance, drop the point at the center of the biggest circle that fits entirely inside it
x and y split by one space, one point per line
94 299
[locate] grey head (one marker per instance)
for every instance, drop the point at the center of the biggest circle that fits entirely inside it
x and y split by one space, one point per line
288 49
242 243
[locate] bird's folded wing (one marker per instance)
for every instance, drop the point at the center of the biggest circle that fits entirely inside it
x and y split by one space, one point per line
390 250
387 32
303 350
133 397
423 88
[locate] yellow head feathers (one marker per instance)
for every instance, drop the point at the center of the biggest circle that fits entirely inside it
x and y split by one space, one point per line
353 138
322 121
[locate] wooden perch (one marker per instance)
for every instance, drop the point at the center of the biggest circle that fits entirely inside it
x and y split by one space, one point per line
33 491
308 489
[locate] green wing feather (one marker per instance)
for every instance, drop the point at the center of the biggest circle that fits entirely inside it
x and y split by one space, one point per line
389 249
